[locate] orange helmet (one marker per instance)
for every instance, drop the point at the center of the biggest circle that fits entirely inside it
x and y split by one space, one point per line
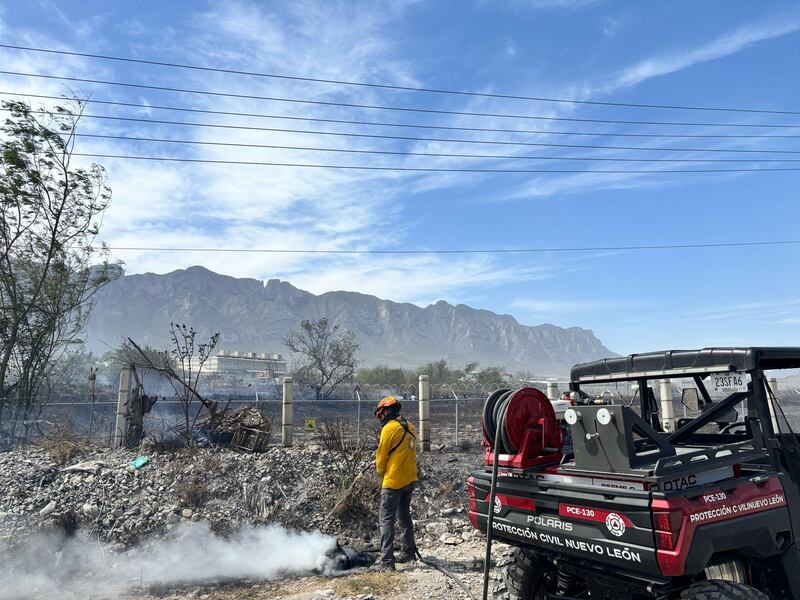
385 403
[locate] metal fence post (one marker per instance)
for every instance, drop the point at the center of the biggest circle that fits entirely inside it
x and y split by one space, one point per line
456 397
358 421
288 412
424 413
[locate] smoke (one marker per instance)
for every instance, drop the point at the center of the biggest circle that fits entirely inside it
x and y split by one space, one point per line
77 567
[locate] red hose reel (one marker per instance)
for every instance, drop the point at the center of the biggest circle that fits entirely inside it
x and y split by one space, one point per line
530 434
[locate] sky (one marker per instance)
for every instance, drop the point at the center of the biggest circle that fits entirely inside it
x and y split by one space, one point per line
685 53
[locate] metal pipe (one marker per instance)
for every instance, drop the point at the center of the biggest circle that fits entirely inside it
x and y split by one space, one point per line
490 512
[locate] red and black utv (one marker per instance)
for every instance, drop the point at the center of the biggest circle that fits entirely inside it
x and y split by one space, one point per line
621 501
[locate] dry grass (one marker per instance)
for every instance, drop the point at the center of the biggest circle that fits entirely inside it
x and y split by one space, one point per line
192 492
347 450
386 583
356 499
62 444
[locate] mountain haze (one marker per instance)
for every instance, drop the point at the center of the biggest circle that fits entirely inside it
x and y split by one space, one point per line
253 316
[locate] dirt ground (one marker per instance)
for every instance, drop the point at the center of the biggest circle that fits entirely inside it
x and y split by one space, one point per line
413 580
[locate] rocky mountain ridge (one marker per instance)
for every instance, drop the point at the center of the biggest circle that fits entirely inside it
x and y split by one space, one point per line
253 315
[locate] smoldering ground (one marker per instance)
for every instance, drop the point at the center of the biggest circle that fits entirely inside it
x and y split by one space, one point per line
77 567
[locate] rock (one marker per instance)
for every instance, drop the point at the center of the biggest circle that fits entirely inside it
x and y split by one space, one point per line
50 508
87 466
446 512
187 513
437 528
324 594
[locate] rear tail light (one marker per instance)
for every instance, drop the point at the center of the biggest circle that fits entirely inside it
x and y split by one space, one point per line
473 503
665 540
668 528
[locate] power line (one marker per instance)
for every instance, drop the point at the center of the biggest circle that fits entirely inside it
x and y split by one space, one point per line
426 169
462 251
422 139
410 125
395 108
399 87
433 154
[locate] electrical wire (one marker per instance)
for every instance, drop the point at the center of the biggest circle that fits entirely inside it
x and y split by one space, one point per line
382 107
410 125
463 250
425 169
421 139
398 87
434 154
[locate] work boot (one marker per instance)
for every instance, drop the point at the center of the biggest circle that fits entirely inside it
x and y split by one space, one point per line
383 566
405 557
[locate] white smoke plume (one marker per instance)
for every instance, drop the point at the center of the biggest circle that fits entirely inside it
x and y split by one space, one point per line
71 568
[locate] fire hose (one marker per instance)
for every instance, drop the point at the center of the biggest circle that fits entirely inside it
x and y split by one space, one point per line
434 563
429 561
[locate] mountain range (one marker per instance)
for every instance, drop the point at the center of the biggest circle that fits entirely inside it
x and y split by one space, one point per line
253 315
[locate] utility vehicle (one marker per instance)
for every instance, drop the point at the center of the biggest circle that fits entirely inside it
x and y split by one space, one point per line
621 501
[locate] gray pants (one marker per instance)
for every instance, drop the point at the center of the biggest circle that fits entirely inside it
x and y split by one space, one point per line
396 504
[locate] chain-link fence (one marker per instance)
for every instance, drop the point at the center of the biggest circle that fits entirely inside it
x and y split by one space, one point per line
455 411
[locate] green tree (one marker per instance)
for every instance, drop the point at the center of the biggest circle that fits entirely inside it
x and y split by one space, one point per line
49 266
382 375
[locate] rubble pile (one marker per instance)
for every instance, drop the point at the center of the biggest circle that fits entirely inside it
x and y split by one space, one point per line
230 420
120 500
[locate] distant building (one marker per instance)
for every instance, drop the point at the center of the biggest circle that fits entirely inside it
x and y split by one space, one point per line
234 366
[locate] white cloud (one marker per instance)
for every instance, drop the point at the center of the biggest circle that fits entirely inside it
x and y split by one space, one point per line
727 44
558 5
163 204
539 306
510 48
780 310
610 26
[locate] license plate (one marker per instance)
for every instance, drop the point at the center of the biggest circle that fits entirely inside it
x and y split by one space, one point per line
727 383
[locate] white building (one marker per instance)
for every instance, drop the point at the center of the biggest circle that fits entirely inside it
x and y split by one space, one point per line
245 365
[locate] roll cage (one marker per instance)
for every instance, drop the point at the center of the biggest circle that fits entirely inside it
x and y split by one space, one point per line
761 421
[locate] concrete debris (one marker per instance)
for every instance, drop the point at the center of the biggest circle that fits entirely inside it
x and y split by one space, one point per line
87 466
223 488
49 509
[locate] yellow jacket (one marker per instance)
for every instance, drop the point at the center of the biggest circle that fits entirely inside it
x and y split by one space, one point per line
399 468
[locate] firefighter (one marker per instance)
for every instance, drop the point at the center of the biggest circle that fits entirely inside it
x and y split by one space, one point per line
396 462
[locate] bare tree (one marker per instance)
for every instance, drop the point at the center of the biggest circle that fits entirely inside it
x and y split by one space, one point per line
327 356
190 359
182 365
49 266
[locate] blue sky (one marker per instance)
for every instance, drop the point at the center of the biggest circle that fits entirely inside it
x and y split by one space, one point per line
740 54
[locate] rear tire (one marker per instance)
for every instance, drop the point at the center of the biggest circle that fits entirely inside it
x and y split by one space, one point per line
528 577
733 570
721 590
